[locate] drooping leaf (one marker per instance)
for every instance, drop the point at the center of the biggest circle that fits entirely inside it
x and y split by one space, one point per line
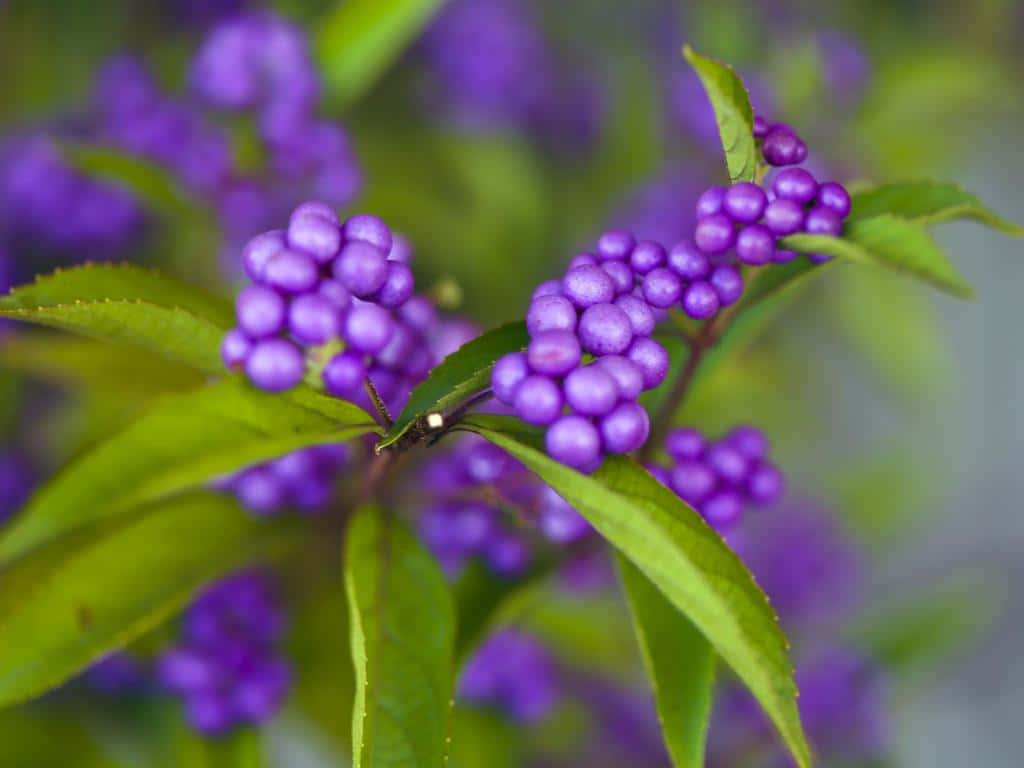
97 588
183 441
402 623
891 242
682 556
928 202
735 118
358 40
680 663
462 374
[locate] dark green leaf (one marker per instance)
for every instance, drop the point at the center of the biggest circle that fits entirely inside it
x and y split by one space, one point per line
890 242
928 202
462 374
66 603
680 664
402 622
682 556
358 40
735 118
183 441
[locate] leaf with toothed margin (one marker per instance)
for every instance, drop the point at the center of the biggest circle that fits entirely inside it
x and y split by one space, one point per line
928 202
464 373
733 114
683 558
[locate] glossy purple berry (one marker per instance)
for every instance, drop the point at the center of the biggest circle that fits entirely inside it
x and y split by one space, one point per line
755 245
714 234
625 429
765 484
291 271
398 285
401 249
834 196
795 184
538 400
574 441
781 147
257 252
554 353
336 293
744 202
615 244
419 313
550 313
750 441
260 311
605 329
723 509
581 260
662 287
728 284
728 463
368 328
275 365
361 268
591 391
547 288
588 285
344 374
693 480
310 231
684 443
367 228
760 127
313 319
783 217
652 359
641 316
507 375
647 255
235 348
621 274
823 221
629 378
688 261
700 300
710 202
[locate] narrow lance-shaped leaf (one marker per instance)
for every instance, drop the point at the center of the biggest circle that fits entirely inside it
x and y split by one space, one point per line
928 202
99 588
403 643
182 442
733 114
680 663
683 557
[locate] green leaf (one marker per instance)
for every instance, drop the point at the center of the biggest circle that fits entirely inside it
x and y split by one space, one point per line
403 642
122 302
680 663
682 556
928 202
464 373
735 118
485 739
65 604
181 442
891 242
358 40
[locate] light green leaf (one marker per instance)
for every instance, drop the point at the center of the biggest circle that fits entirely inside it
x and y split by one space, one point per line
402 622
680 663
182 442
682 556
928 202
735 118
94 589
891 242
464 373
359 40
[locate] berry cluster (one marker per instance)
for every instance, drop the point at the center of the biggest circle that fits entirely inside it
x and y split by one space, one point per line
227 665
513 672
720 478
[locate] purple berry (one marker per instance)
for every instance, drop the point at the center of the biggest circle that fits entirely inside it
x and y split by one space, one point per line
257 252
823 221
750 441
367 228
507 555
783 257
538 400
605 329
710 202
693 480
783 217
629 378
755 245
652 359
554 353
260 311
336 293
574 441
765 484
641 316
700 300
781 147
558 521
621 274
208 712
291 271
795 184
728 463
311 232
647 255
398 285
550 313
760 127
625 429
582 260
662 287
259 491
591 391
714 234
588 285
399 348
401 249
275 365
834 196
343 376
368 328
235 348
361 268
684 443
548 288
507 374
615 244
723 509
313 319
688 261
419 313
744 202
728 284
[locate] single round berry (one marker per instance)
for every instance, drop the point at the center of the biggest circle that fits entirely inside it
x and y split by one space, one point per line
554 353
750 441
419 313
311 232
208 712
700 300
834 196
471 525
257 252
315 208
558 521
652 359
550 313
537 400
361 267
507 374
688 261
291 271
366 228
625 429
710 202
714 234
401 249
662 287
647 255
783 217
313 319
507 555
260 491
582 260
368 328
783 257
760 127
615 244
641 316
795 184
629 378
588 285
574 441
693 480
744 202
765 484
728 284
605 329
548 288
591 391
235 348
621 274
275 365
399 349
684 443
781 147
801 153
823 221
728 463
755 245
722 510
260 311
336 293
398 285
344 374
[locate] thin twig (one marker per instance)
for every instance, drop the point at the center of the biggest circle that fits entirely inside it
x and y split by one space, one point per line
378 404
